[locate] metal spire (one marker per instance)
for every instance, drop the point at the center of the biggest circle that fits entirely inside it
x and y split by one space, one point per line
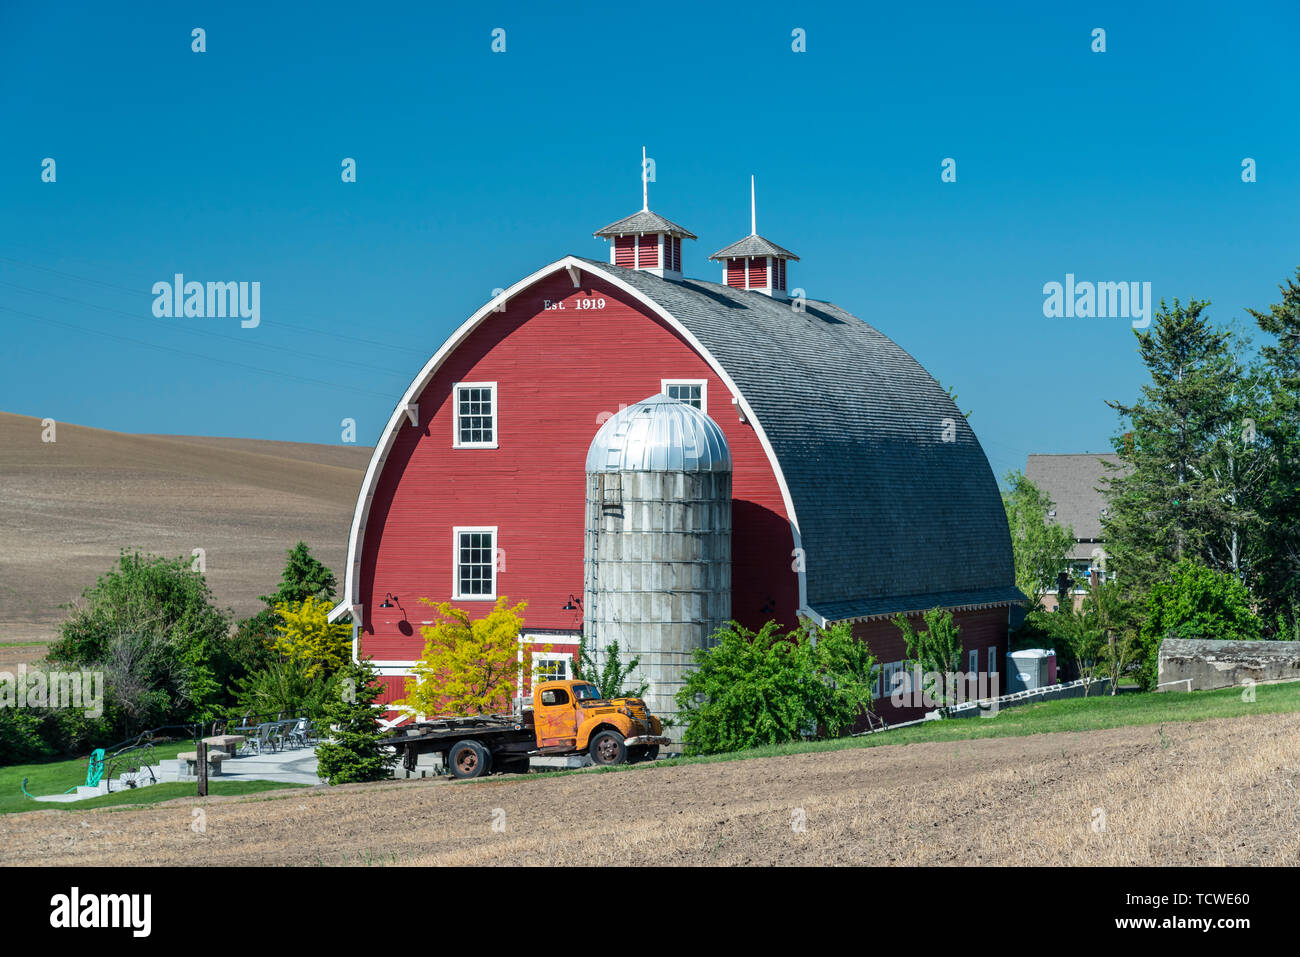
753 211
645 184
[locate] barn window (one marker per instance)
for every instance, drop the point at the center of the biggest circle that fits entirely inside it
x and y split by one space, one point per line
551 666
691 391
476 563
475 415
993 660
892 677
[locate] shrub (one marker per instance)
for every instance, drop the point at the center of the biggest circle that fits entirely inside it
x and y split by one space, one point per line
1194 602
750 689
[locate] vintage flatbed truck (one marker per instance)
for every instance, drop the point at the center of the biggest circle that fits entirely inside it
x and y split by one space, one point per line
567 717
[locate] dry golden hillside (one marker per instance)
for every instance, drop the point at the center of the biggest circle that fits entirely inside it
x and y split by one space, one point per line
67 507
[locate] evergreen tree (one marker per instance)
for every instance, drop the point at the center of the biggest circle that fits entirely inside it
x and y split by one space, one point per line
1279 431
304 577
1191 480
353 753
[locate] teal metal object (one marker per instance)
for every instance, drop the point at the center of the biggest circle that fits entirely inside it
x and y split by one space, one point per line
96 769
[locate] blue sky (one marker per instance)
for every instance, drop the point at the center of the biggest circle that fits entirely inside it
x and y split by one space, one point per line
475 168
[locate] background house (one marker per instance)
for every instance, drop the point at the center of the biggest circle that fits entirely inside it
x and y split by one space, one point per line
1073 483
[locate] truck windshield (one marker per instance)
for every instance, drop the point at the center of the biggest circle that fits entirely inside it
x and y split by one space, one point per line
585 692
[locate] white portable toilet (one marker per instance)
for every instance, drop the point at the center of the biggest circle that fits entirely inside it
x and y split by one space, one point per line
1030 668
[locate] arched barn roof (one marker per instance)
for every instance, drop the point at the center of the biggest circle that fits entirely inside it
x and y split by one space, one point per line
892 518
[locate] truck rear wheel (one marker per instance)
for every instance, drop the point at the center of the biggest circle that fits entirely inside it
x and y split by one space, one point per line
642 752
608 748
469 759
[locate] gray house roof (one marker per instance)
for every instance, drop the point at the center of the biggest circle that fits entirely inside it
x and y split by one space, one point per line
892 517
754 246
1073 483
644 221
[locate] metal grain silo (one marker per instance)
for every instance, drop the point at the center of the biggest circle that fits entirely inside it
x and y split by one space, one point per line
657 557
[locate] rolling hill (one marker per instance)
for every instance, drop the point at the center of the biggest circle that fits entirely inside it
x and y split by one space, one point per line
67 507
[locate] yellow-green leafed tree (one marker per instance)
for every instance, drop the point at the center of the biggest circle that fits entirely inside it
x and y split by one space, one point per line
468 667
307 636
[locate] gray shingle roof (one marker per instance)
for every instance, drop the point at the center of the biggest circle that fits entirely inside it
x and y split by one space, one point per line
1072 483
890 514
644 221
753 246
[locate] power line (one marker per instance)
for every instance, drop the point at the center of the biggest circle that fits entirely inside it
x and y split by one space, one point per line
203 332
278 322
195 355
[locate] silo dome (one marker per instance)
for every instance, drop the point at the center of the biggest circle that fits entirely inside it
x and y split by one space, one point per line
659 434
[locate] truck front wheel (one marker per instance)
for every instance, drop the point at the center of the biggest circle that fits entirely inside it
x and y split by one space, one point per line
469 759
608 748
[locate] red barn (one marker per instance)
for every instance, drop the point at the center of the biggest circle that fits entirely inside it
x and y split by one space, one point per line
859 490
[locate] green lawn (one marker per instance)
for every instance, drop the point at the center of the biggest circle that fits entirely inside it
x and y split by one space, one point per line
1075 714
55 777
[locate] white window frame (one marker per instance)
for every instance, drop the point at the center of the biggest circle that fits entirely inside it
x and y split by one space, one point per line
456 443
993 660
973 662
541 656
455 561
885 683
702 383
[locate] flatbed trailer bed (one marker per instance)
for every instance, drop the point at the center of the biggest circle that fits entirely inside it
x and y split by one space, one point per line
509 739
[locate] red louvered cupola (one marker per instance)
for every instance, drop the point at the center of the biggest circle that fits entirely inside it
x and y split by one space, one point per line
755 263
645 240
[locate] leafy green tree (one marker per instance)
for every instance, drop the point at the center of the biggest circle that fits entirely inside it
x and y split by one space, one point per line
846 674
611 677
1097 637
1189 486
308 636
936 651
151 625
286 687
1041 547
352 752
1194 602
469 666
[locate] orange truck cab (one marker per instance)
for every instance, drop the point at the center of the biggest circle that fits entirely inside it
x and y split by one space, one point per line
571 717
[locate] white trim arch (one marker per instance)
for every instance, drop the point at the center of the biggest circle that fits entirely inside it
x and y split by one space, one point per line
575 267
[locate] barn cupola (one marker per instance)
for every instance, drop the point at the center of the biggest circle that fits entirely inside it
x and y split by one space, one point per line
645 240
755 263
